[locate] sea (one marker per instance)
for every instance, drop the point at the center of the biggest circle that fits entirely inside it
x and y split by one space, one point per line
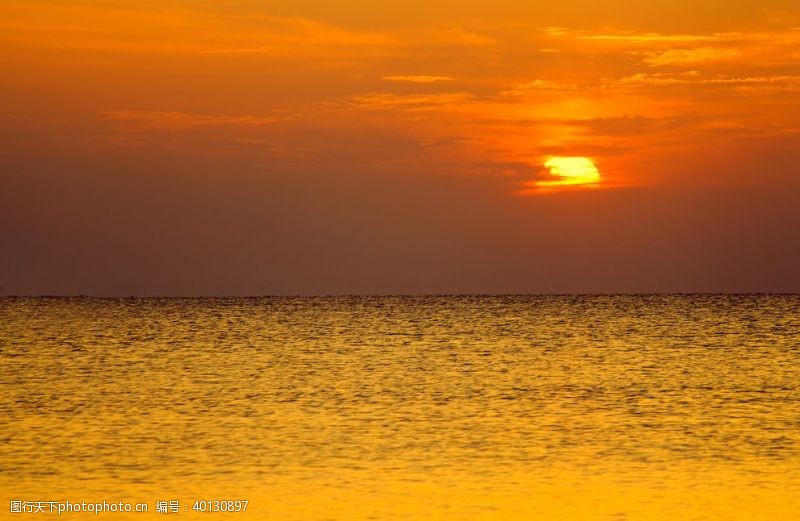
630 407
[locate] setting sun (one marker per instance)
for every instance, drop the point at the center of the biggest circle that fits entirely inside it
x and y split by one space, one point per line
570 171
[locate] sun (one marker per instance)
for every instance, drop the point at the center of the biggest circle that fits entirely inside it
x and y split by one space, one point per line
570 171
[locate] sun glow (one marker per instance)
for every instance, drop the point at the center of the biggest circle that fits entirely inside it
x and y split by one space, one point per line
570 171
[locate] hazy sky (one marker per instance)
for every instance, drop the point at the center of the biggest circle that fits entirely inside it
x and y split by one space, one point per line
314 147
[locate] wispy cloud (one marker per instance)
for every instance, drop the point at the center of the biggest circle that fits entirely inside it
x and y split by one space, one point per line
143 120
680 49
690 56
175 30
649 38
181 31
417 78
387 100
696 78
521 89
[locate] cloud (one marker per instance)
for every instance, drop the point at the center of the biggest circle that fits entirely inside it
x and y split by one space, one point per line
783 82
387 100
659 78
690 56
522 89
512 169
557 31
193 31
294 36
417 78
630 125
175 29
628 37
144 120
777 47
649 38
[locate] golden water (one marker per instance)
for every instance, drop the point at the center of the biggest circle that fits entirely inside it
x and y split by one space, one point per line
607 408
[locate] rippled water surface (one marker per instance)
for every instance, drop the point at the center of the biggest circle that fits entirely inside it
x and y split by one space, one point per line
630 407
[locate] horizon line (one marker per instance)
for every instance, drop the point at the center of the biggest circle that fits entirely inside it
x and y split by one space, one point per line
408 295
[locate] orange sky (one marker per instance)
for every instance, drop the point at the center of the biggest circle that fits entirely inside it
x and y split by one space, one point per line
245 147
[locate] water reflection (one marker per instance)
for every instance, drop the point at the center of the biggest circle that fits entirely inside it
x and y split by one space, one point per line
635 407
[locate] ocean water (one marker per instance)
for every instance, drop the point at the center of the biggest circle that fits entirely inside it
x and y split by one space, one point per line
562 407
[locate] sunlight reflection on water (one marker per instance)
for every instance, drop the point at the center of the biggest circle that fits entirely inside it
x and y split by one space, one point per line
628 407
